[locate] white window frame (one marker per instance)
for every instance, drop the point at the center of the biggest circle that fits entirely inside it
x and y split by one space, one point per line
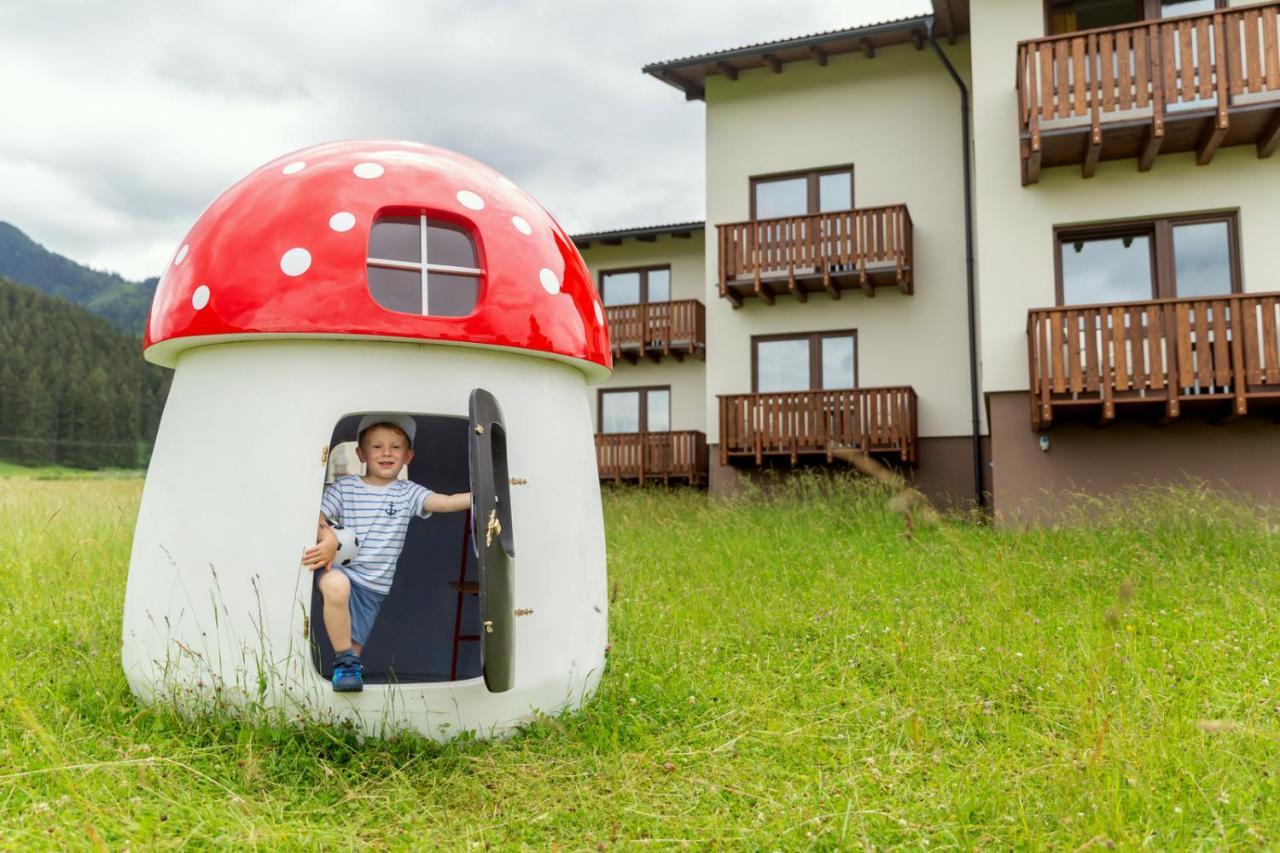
426 266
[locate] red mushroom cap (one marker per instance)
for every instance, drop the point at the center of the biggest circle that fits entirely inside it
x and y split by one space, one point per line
283 254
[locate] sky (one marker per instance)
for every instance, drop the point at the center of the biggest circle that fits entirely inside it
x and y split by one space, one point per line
122 121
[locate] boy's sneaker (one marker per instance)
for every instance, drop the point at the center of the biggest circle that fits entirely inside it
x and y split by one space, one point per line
348 673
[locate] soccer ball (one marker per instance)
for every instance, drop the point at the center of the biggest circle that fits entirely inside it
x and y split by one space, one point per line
348 545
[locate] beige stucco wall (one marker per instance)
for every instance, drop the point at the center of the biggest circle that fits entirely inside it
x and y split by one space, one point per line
896 118
1015 223
688 388
687 378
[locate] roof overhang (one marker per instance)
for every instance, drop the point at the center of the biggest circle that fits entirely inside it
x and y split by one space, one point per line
645 234
949 19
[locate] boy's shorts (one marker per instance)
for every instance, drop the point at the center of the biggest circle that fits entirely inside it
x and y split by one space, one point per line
364 604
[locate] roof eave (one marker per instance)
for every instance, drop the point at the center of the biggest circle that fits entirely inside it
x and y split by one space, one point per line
669 71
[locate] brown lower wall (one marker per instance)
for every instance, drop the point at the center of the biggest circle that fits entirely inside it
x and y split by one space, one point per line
1032 485
944 472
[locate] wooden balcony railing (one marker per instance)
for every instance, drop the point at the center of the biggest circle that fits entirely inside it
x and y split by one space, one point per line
800 255
1164 352
1193 83
655 329
649 456
809 423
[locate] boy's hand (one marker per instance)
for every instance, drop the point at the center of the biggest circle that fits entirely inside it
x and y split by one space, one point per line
320 555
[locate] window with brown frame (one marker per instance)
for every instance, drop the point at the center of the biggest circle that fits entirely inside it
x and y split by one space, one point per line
635 285
802 193
1148 259
626 410
1068 16
813 361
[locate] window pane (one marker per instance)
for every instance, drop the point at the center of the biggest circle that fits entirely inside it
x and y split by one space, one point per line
620 411
835 192
782 366
837 362
398 290
788 197
621 288
1110 269
1071 15
396 238
659 410
1202 259
1170 8
659 285
449 246
451 295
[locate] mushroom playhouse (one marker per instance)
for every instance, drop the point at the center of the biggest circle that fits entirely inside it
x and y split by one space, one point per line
394 279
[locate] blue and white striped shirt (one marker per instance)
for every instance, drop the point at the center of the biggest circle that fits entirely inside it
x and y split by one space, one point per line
380 517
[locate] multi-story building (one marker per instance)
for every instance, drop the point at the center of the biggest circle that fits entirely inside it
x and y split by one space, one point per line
1019 284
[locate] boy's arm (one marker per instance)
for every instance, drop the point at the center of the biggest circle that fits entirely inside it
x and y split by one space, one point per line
320 555
447 503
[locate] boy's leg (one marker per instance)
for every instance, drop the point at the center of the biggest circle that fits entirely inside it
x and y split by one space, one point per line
336 591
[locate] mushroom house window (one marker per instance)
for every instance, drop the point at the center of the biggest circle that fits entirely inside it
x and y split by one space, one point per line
419 265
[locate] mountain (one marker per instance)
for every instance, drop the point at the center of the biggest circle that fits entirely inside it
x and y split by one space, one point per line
124 303
74 389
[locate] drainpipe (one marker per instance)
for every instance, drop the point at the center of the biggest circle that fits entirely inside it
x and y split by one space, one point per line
968 262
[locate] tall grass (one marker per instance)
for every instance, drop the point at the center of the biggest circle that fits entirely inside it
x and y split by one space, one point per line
793 670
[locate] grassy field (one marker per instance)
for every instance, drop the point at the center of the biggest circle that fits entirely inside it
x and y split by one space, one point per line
795 672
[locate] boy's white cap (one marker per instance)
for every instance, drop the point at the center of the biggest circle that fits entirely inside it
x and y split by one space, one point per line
405 423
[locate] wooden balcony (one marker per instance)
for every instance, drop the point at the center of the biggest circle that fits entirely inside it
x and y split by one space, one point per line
830 252
1221 354
656 329
652 456
1193 83
814 423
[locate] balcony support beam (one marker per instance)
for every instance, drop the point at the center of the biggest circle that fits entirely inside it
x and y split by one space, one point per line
775 64
796 291
1270 138
728 69
819 55
1151 142
1092 151
1214 133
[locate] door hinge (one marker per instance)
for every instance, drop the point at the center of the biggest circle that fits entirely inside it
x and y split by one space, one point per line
522 611
306 627
493 527
519 481
324 455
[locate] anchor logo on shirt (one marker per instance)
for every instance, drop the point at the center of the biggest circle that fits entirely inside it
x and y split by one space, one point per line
391 510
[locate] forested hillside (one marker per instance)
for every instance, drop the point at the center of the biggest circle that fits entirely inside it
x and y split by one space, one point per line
74 390
25 261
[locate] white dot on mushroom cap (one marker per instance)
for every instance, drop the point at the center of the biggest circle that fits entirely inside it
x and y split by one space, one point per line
521 226
200 298
342 221
467 198
294 168
182 254
550 283
599 312
295 262
368 170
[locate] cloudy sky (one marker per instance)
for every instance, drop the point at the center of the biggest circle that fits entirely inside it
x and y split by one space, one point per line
123 120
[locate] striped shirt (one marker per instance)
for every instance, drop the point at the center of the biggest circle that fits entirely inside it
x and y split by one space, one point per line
380 517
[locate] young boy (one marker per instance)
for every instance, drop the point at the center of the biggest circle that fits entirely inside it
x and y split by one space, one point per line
378 506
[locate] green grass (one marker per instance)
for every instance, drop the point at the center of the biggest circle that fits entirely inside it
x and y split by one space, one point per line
60 472
793 672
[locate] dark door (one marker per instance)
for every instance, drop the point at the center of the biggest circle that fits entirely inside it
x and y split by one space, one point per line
492 540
